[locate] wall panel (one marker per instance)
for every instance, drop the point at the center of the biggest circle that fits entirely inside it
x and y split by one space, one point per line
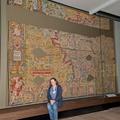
74 41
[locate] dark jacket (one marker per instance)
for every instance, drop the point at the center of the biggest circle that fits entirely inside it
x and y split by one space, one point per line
58 98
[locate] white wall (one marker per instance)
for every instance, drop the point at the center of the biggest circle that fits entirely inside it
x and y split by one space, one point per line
117 47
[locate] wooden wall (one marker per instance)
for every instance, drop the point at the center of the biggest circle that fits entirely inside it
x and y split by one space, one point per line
16 113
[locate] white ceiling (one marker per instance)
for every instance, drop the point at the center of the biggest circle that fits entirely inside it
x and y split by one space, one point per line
113 9
93 6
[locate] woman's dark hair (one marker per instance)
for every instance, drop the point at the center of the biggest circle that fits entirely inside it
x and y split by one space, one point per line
54 80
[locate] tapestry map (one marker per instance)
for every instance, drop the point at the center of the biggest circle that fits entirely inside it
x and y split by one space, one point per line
84 64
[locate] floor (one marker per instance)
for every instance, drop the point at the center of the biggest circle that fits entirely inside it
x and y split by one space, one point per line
110 114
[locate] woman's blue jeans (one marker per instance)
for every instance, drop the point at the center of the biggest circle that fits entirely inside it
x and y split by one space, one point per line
53 111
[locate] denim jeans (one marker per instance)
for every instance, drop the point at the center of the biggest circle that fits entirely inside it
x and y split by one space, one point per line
53 111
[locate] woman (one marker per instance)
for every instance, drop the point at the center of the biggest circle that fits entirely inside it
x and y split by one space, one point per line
54 96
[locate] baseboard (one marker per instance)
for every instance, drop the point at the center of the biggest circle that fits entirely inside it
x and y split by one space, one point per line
75 112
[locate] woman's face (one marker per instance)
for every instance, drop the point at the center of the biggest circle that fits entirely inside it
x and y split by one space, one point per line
53 82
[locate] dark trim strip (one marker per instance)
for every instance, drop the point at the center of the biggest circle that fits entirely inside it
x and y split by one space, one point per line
108 15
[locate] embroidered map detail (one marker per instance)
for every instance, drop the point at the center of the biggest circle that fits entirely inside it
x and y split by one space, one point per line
37 54
73 15
32 5
63 12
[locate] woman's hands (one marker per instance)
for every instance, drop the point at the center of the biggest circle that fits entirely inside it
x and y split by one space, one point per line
52 102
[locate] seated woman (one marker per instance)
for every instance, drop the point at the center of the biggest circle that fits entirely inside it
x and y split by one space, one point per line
54 96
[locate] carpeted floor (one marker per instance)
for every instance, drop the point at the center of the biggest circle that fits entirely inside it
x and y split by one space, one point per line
111 114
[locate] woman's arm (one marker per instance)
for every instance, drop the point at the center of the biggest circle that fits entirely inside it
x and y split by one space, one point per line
48 95
59 94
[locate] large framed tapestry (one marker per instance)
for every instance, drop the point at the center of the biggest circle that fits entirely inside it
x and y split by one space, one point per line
84 65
